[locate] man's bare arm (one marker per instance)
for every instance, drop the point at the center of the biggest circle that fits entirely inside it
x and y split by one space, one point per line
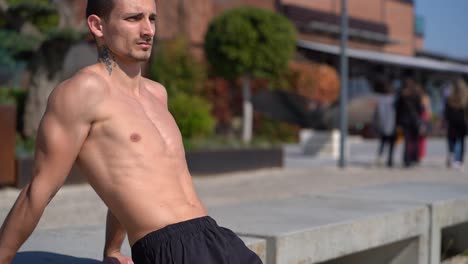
61 134
115 235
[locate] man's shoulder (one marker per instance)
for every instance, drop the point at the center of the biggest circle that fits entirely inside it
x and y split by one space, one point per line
84 89
86 83
156 88
153 85
89 80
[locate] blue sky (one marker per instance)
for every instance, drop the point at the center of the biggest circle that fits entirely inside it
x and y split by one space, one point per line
446 29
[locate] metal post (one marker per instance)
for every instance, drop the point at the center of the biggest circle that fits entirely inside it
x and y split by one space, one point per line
344 84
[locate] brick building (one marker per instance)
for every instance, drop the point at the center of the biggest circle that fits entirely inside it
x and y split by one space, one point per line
385 36
383 26
380 25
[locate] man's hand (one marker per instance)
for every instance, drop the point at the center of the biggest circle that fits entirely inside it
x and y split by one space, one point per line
117 258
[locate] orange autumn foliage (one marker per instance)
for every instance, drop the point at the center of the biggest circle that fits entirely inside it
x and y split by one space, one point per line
317 82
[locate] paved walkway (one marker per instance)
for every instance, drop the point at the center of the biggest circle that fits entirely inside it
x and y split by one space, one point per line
78 206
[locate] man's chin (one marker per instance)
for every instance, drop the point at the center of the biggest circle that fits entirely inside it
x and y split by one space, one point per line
144 58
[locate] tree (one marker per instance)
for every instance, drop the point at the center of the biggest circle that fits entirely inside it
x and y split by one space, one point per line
35 37
249 43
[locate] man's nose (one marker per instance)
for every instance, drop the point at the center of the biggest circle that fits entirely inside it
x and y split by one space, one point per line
148 28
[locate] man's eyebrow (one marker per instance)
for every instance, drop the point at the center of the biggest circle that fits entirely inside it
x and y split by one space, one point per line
130 14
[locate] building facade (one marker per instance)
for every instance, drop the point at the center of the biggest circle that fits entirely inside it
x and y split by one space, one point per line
379 25
386 38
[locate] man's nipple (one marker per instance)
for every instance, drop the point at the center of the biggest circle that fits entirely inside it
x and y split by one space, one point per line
135 137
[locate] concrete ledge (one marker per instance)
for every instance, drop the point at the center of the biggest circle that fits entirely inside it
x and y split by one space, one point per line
447 204
84 245
309 229
257 245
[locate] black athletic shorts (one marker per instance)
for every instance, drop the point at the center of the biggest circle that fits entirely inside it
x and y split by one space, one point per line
194 241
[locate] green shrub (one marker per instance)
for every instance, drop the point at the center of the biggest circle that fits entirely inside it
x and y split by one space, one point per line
40 13
7 62
17 97
175 68
7 96
18 49
13 43
193 115
275 131
250 41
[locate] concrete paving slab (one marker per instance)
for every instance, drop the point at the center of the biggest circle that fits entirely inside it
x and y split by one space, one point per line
84 245
447 203
307 229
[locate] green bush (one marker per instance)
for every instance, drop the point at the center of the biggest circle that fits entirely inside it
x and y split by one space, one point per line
40 13
276 131
7 96
13 43
193 115
7 62
17 2
17 49
175 68
17 97
250 41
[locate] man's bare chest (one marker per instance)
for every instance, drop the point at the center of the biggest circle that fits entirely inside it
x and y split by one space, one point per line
145 122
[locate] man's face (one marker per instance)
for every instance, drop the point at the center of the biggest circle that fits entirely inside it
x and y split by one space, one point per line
129 32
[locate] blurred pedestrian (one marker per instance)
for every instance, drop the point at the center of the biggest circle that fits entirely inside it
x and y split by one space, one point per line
409 111
385 121
426 118
455 116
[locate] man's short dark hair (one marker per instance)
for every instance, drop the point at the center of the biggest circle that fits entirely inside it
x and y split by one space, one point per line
101 8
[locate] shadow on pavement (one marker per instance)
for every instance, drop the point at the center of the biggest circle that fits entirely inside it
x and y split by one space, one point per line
50 258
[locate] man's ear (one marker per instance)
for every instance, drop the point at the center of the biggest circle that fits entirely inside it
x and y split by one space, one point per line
95 25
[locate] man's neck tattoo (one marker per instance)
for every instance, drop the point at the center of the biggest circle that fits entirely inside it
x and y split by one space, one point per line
106 57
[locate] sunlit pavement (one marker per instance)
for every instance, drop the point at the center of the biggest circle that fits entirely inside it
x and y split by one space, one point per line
78 205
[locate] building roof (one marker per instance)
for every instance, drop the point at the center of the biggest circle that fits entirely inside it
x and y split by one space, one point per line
387 58
361 34
440 56
304 18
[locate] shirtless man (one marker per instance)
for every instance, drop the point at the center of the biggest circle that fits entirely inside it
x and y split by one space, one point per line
115 124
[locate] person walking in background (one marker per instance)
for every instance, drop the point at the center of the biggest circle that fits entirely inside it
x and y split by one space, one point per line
409 110
425 117
455 116
385 121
